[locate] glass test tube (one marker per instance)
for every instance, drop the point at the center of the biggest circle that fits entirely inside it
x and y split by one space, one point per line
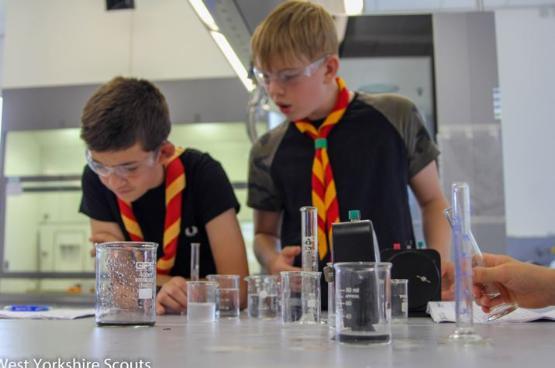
460 221
195 250
309 238
491 290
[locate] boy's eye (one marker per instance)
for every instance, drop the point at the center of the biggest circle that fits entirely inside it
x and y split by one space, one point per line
130 169
288 76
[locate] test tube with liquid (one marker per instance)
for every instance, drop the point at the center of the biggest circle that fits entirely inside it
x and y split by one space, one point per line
309 238
460 222
195 250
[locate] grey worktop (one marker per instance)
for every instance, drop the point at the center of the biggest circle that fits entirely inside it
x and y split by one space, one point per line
257 343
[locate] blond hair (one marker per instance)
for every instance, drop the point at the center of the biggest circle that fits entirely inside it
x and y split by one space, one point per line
293 31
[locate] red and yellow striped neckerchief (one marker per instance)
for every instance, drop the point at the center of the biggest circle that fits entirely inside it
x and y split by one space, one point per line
324 195
175 185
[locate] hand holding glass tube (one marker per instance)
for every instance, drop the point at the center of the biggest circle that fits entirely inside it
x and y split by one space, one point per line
491 290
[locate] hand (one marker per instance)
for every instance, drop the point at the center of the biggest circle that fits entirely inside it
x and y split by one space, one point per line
284 260
447 280
172 297
528 285
100 237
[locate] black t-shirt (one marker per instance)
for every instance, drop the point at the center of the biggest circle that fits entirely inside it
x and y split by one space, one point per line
379 144
208 193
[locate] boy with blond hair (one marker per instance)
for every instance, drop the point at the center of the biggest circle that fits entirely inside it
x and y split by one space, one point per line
339 149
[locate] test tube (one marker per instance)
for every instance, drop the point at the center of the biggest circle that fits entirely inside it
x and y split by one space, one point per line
195 250
491 290
309 238
460 222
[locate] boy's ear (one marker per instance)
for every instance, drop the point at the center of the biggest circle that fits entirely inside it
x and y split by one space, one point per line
167 149
332 67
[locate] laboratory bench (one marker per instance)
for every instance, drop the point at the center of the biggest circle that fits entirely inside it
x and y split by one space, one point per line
173 342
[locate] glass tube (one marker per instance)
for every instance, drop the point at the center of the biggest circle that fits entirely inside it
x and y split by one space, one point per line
460 222
195 250
309 238
491 290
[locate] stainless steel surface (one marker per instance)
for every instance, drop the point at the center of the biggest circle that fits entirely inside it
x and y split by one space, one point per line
257 343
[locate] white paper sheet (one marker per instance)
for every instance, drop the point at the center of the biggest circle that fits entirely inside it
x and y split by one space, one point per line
52 313
445 312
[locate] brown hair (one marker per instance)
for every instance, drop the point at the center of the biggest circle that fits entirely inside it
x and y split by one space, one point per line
123 112
293 30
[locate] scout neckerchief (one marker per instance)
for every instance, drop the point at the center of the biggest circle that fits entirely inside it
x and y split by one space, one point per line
324 195
175 184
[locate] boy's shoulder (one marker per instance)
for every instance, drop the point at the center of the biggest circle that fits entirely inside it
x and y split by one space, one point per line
195 159
399 111
267 144
393 106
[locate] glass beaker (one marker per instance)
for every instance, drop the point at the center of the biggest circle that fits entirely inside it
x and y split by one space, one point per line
262 296
300 297
363 302
227 305
126 283
201 301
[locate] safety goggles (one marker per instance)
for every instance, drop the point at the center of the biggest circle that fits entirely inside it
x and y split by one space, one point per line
287 76
124 170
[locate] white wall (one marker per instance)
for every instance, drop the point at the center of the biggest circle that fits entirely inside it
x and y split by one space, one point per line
526 56
68 42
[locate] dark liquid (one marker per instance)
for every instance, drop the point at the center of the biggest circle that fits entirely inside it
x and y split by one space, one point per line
101 324
363 339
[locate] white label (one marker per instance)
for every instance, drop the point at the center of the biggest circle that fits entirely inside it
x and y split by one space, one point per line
145 293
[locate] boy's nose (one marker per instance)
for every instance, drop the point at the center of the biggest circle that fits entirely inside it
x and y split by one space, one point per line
114 180
274 88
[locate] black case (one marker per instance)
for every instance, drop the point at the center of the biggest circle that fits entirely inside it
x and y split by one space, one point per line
353 241
422 267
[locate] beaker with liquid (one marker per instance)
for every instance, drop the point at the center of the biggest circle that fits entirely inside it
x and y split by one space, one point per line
201 301
126 283
263 294
363 302
300 297
227 305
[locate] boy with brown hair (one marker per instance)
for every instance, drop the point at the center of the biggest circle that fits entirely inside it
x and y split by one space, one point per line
138 186
339 150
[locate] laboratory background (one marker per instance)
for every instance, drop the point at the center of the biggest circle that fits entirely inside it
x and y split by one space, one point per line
480 71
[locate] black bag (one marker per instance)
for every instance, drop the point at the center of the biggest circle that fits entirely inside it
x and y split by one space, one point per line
422 267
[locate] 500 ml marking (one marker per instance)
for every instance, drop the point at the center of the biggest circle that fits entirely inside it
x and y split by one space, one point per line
145 279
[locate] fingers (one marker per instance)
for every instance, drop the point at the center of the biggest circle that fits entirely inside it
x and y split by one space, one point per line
291 251
287 267
483 275
172 296
491 260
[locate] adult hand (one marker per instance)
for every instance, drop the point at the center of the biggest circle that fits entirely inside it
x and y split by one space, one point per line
284 260
172 297
528 285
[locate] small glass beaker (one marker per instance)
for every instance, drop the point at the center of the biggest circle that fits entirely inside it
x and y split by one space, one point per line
262 296
363 302
300 297
227 305
399 300
201 301
126 283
